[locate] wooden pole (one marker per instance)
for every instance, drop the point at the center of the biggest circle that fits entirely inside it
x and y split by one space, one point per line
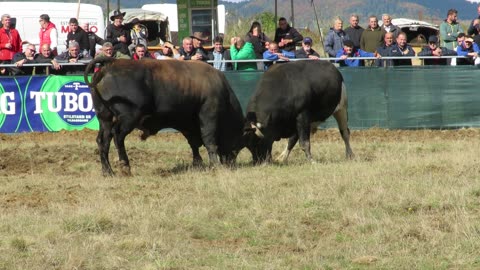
293 13
78 9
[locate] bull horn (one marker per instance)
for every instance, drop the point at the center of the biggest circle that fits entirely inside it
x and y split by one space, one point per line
258 132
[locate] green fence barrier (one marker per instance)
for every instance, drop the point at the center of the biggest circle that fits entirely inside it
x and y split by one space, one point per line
400 97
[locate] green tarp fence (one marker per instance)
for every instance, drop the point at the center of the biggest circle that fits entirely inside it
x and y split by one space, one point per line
399 97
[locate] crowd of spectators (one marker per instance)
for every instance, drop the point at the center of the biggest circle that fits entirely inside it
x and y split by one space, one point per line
130 42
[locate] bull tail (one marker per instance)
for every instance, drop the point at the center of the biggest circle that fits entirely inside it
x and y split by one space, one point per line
341 116
102 61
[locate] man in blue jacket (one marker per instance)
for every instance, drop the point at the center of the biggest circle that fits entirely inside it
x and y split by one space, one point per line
350 51
273 54
402 49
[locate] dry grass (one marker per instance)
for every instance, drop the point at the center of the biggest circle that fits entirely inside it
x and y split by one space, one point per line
409 200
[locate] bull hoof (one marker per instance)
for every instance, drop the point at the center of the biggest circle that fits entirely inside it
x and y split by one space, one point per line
125 169
145 134
282 158
108 173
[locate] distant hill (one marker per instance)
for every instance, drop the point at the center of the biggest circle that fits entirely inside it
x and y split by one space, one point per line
428 10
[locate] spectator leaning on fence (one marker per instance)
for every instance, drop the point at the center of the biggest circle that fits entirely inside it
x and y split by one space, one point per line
434 50
471 50
187 51
141 52
306 51
168 51
350 51
401 48
449 30
20 59
384 50
46 57
108 51
10 41
273 54
72 55
219 54
198 38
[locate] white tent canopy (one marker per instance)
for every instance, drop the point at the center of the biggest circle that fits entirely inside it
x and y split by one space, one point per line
141 14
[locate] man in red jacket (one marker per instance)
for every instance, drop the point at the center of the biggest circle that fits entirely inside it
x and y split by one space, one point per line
48 33
10 41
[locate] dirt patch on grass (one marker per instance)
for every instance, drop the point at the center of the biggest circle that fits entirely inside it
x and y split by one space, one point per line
71 153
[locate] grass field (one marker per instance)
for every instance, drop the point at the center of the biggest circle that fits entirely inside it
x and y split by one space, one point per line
408 200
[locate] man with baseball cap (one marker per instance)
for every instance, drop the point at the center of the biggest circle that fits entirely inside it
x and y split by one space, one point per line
434 50
306 51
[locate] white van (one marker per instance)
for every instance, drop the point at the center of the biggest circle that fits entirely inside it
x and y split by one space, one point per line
26 16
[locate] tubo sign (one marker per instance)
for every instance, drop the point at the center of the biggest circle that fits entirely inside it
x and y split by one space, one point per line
45 103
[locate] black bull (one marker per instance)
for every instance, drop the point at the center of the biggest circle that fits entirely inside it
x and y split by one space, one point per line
191 97
289 101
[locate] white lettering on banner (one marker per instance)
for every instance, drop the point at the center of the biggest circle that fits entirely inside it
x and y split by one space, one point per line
70 102
7 107
57 101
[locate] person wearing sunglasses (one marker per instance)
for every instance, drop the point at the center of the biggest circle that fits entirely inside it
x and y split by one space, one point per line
26 57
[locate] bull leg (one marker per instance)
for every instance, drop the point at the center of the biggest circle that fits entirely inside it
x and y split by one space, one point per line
341 116
126 123
104 138
288 149
303 130
208 130
195 142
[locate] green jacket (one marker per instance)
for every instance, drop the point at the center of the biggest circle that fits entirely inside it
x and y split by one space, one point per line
245 53
449 33
371 39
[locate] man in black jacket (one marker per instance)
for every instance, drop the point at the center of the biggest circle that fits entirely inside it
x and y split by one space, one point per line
93 39
354 31
118 34
306 51
434 50
286 36
77 34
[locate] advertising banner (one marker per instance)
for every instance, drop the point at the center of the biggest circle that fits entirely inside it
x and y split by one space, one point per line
399 98
45 103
